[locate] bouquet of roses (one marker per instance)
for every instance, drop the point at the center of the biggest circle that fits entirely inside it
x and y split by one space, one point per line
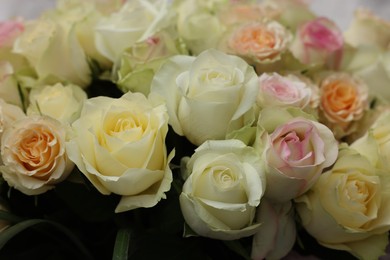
194 129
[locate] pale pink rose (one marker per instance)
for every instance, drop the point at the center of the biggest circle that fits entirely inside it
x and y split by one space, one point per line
318 41
262 42
296 153
277 234
9 31
33 154
277 90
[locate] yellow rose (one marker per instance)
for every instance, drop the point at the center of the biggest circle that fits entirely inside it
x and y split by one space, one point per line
34 155
119 145
349 207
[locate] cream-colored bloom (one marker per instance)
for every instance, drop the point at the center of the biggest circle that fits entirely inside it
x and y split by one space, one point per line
295 150
135 22
207 96
224 187
61 102
349 207
9 90
368 29
119 145
198 24
8 115
34 155
53 50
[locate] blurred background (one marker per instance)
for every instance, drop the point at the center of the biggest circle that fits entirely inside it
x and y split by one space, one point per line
340 11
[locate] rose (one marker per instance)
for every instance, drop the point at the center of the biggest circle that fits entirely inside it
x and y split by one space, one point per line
277 233
318 42
9 113
136 21
61 102
9 31
241 12
261 42
195 86
371 65
9 90
119 145
295 150
83 16
45 42
343 101
199 25
223 189
348 207
277 90
140 62
368 29
290 13
33 154
375 144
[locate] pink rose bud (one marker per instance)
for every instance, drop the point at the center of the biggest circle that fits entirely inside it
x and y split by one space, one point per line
318 41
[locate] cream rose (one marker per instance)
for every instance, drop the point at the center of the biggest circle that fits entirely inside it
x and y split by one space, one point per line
119 145
318 42
61 102
53 51
368 29
349 207
224 187
283 91
295 150
198 23
140 62
34 155
9 113
207 96
135 22
261 42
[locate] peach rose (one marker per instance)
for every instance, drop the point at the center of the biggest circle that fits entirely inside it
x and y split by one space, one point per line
258 41
33 153
344 99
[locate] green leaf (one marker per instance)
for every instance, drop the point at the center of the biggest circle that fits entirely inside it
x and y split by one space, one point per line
122 244
14 230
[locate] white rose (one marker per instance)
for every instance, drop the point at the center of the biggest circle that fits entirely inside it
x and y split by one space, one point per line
61 102
119 145
225 185
136 21
33 154
52 49
207 96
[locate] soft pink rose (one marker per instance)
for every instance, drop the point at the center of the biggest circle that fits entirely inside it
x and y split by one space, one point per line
277 90
9 31
296 153
318 41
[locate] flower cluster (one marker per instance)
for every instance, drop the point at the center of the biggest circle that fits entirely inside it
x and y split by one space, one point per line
261 120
